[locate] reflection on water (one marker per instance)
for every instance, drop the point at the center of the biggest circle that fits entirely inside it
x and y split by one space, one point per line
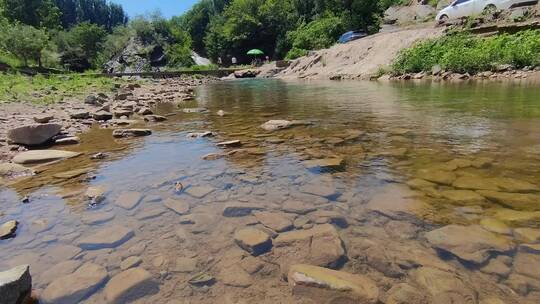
411 158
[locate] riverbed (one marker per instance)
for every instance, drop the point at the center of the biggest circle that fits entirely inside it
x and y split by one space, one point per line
430 192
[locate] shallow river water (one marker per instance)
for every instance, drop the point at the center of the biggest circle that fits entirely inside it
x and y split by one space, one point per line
430 191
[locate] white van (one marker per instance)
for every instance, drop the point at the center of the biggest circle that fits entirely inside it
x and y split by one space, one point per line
464 8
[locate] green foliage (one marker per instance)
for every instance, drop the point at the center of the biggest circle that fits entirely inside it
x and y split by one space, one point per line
466 53
80 46
37 13
114 43
318 34
25 42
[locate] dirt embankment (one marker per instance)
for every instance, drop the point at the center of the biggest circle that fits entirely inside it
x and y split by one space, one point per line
358 59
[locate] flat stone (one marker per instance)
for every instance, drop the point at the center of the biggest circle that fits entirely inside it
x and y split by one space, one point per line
298 207
518 218
120 133
527 264
61 269
149 213
42 156
33 135
527 235
94 218
185 265
469 243
201 134
178 206
73 288
44 118
71 174
15 284
325 163
154 118
320 246
102 115
397 202
130 262
494 225
236 277
330 286
128 200
323 190
199 191
230 143
240 209
274 220
514 185
70 140
405 294
11 170
519 201
8 229
437 176
107 237
79 114
440 284
475 183
418 183
130 285
497 266
274 125
462 195
253 240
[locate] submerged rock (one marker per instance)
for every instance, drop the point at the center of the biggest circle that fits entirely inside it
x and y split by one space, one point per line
330 286
15 285
326 163
73 288
178 206
274 220
107 237
42 156
320 246
11 170
230 143
274 125
33 135
519 201
154 118
130 285
120 133
444 287
128 200
469 243
240 209
253 240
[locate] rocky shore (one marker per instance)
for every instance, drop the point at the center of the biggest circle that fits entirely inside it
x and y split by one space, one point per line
30 126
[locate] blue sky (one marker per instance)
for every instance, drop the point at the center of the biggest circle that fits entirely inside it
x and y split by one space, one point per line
168 8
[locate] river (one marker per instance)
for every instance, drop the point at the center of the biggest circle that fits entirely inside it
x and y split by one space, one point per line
431 191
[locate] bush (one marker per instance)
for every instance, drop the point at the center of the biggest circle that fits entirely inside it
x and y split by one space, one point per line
25 42
465 53
318 34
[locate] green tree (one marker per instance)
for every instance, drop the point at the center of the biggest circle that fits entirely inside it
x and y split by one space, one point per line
318 34
80 46
37 13
25 42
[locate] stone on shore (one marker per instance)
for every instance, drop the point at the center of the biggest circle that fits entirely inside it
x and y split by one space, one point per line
81 114
33 135
44 118
129 286
253 240
102 115
325 285
70 140
178 206
11 170
128 200
42 156
120 133
240 209
8 229
15 285
154 118
107 237
469 243
73 288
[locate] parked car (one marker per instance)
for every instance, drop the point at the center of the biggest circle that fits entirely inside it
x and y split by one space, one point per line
352 35
464 8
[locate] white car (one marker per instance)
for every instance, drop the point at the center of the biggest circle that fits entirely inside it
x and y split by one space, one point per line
464 8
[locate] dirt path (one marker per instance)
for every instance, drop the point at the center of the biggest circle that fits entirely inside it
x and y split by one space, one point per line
358 59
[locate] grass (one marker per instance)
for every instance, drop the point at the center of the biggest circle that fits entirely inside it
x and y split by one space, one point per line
42 89
465 53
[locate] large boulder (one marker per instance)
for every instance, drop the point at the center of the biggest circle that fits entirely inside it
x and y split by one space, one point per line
15 285
33 135
325 285
469 243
